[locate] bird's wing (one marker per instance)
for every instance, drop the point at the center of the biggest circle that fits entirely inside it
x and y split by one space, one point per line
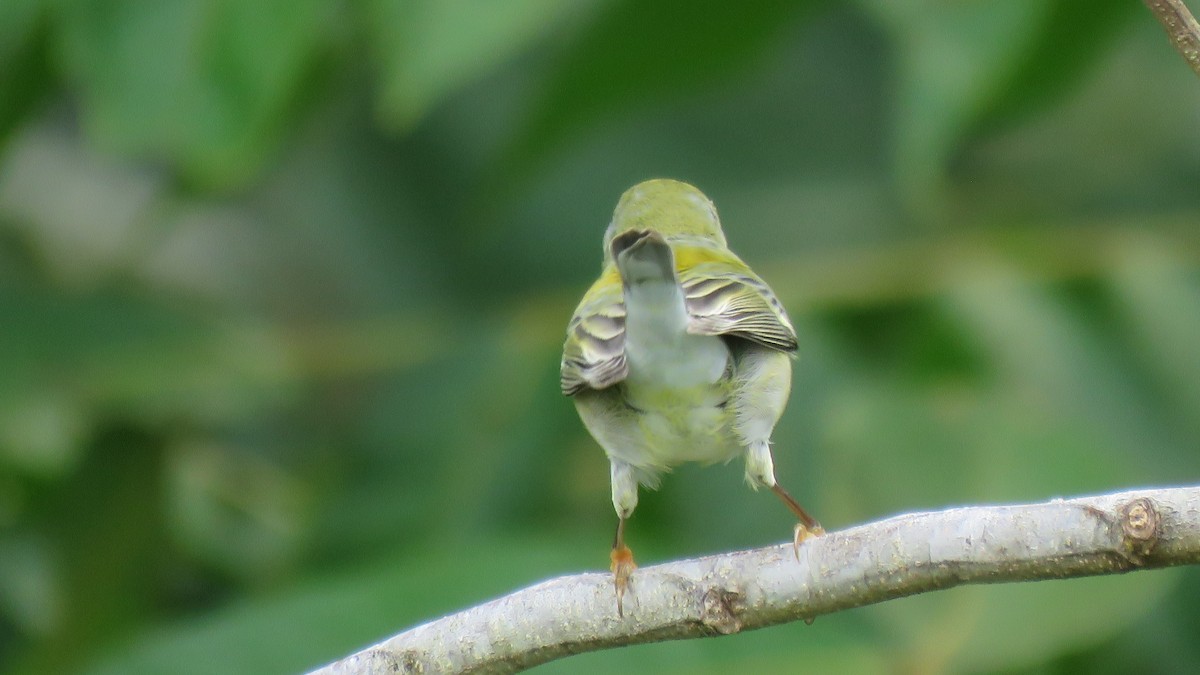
724 297
594 353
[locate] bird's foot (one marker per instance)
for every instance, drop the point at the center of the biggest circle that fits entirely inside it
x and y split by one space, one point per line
622 567
805 532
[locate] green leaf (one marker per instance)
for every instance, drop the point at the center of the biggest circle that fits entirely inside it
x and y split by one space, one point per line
428 49
953 58
17 20
1159 298
206 85
105 533
130 355
24 67
635 54
1014 626
1057 361
1072 36
321 621
966 67
918 448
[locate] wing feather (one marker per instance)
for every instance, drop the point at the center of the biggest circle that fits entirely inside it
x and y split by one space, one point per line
594 353
723 297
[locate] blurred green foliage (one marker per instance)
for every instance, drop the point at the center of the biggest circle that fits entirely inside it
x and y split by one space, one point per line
283 285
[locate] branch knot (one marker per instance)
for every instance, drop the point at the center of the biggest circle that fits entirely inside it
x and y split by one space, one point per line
720 611
1140 525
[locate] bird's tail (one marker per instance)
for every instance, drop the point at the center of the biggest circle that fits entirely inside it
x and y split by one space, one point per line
643 256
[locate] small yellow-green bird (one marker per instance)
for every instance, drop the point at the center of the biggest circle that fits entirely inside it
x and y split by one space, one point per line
678 353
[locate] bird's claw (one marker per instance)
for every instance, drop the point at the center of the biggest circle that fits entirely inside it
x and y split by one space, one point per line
803 532
622 567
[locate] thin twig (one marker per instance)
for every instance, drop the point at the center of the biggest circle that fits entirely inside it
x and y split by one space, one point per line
732 592
1181 27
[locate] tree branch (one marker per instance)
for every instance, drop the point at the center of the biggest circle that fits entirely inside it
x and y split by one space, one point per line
732 592
1181 27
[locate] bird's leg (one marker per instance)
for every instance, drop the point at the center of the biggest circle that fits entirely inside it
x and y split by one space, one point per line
625 498
622 565
760 470
807 527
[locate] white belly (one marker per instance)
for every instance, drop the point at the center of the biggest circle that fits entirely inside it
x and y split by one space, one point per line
653 430
686 434
684 414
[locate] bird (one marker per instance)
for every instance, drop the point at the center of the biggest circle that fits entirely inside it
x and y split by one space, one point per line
677 353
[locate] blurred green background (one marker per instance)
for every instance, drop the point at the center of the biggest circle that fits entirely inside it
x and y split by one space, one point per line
283 286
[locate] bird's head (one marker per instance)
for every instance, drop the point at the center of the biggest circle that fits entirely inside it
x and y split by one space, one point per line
668 207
